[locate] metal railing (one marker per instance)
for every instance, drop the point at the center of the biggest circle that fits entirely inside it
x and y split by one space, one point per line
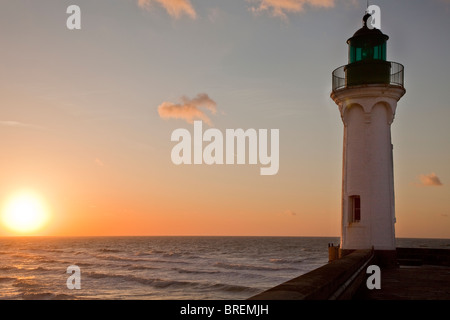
397 74
339 80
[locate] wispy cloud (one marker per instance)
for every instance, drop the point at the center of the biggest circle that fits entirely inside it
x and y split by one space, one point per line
175 8
280 8
189 109
99 162
290 213
17 124
214 14
429 180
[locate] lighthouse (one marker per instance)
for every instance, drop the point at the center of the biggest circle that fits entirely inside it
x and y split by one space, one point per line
366 91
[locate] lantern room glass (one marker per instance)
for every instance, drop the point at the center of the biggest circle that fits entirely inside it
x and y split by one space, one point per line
367 51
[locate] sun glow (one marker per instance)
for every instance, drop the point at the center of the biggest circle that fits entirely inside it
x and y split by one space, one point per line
25 212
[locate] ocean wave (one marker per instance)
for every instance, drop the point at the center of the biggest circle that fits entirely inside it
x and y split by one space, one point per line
24 255
184 255
45 296
171 255
233 288
51 250
7 268
141 267
149 252
139 260
23 269
164 284
165 254
38 269
180 270
119 258
157 283
34 257
167 261
81 264
25 283
108 250
6 279
143 254
248 267
46 259
283 261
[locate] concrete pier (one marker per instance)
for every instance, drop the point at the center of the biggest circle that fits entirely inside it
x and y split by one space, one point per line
422 274
417 274
339 279
424 282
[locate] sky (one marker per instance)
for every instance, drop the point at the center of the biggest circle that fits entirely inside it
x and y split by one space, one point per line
86 116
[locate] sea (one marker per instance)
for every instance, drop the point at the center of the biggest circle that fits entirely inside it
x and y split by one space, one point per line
160 268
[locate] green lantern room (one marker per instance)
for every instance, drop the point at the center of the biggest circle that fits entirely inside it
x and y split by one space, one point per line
367 57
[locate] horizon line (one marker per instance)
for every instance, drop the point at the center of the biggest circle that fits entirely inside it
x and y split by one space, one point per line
192 236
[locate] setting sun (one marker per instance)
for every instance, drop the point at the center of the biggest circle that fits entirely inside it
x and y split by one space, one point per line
25 212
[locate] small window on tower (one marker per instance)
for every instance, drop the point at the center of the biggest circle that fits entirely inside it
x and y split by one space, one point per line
355 209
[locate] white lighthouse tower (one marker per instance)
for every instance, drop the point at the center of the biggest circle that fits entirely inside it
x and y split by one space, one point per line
367 90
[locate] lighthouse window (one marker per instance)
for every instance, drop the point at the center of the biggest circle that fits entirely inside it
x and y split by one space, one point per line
355 209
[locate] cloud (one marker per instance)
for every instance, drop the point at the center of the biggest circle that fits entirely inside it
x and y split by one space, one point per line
16 124
99 162
214 14
175 8
280 8
429 180
189 109
290 213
